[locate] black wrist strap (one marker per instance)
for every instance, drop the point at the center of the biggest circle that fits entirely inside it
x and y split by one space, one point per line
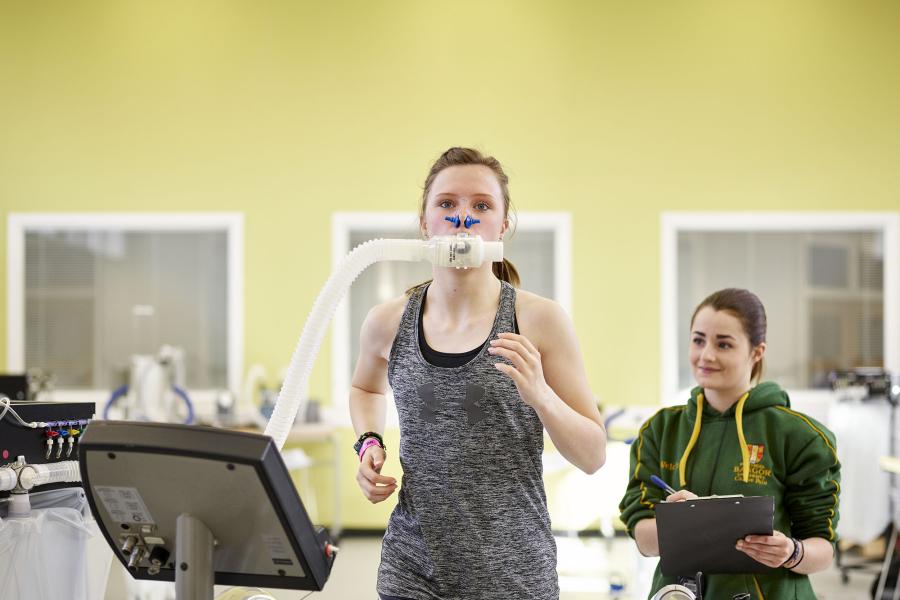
369 434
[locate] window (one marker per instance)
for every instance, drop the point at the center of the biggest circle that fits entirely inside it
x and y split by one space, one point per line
88 291
540 248
829 283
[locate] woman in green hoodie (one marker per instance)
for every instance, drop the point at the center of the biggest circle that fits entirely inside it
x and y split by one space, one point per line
736 438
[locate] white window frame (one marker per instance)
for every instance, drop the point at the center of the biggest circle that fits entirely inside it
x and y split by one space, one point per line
231 223
342 223
673 223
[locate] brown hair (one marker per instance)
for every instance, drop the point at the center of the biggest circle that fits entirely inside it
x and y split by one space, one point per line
747 307
459 157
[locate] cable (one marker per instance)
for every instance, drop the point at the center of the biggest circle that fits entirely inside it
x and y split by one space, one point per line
187 401
123 390
117 393
7 408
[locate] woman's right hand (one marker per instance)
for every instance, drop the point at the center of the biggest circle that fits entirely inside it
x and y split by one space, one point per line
681 496
375 486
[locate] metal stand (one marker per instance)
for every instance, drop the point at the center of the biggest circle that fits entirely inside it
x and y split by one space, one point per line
193 559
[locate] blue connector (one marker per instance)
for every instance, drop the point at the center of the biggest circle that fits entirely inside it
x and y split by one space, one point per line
457 221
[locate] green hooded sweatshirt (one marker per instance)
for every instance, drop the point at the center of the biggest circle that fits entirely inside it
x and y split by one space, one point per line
758 447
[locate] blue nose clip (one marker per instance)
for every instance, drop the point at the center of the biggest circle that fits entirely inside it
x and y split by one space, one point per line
457 221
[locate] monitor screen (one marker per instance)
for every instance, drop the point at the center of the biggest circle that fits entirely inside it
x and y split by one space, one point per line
140 477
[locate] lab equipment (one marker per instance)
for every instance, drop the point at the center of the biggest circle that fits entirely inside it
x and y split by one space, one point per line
247 410
155 390
14 386
53 438
227 512
56 552
687 588
45 533
674 592
868 392
470 220
459 251
690 588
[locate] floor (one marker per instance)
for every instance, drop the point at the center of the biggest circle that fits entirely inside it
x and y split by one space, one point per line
586 567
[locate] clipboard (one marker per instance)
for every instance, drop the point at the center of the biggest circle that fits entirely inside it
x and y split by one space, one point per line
699 535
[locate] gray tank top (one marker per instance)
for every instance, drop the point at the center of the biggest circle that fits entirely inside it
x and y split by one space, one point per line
471 519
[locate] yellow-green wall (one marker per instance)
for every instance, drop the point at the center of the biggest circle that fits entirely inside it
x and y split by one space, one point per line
290 110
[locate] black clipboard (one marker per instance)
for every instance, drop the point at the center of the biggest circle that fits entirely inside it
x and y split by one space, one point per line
700 535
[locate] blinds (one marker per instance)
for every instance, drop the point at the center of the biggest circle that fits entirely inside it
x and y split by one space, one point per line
823 293
94 298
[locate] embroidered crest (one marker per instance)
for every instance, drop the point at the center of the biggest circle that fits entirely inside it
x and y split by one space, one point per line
759 474
756 453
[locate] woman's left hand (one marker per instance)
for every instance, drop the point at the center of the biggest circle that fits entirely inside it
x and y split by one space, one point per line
770 550
526 370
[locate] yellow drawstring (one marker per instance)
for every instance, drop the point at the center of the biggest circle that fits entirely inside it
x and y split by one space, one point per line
682 465
745 451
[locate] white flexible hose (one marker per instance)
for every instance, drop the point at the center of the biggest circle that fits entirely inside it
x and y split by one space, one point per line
8 479
42 474
460 251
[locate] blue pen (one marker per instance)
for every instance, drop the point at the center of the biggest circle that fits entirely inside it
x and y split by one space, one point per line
662 485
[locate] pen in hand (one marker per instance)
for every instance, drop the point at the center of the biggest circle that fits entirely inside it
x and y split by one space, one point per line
662 485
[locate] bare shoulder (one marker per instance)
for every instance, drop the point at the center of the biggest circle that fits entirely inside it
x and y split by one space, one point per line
534 309
381 324
540 319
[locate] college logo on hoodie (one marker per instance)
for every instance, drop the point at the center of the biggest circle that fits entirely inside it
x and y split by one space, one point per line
756 453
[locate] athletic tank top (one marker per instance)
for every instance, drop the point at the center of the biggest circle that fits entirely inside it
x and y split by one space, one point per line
471 519
446 359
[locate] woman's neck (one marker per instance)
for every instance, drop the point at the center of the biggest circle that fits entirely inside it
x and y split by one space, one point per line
722 400
458 294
